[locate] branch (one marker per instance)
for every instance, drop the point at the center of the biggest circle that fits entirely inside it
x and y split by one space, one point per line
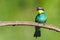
10 23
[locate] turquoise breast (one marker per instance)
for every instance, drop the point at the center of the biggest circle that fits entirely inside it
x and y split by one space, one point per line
41 17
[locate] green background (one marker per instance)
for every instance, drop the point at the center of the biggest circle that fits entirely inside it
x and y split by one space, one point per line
25 10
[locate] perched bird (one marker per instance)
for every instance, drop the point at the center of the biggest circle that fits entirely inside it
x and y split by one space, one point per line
40 18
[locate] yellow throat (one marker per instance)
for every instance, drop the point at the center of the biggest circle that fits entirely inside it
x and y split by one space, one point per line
40 11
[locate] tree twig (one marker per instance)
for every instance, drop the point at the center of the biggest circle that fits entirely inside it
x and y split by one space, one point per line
9 23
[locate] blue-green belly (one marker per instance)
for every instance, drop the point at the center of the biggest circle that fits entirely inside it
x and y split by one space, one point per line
41 17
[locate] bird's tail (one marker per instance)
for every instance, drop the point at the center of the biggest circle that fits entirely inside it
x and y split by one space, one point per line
37 32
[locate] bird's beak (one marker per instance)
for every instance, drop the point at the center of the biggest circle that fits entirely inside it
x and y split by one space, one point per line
40 11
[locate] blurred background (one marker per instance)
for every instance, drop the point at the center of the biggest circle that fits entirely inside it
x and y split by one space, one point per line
25 10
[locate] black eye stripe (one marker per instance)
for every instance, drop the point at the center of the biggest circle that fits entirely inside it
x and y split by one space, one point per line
40 8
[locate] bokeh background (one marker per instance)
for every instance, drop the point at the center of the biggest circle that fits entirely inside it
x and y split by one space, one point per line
25 10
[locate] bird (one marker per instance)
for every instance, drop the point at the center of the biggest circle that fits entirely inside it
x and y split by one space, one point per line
40 18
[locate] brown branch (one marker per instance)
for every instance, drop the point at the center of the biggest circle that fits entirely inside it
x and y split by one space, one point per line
9 23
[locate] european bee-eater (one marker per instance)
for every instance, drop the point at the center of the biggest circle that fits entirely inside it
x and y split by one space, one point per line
40 18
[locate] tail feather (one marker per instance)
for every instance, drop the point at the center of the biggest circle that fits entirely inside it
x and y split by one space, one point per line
37 32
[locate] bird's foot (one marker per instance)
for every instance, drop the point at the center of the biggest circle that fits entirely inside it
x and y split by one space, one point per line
43 24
